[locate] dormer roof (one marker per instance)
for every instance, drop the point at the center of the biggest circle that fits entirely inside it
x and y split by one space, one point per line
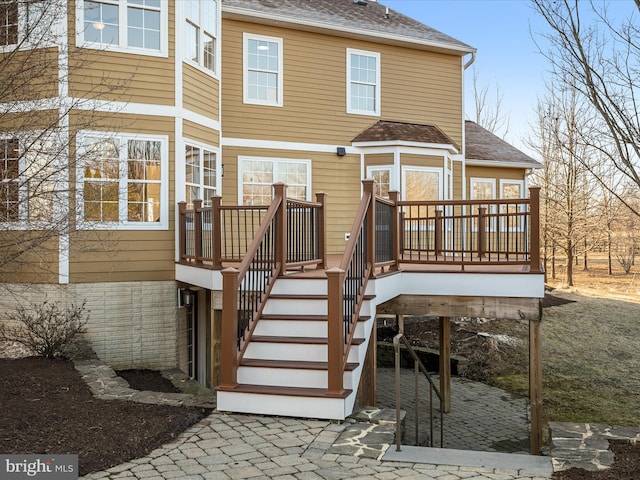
350 18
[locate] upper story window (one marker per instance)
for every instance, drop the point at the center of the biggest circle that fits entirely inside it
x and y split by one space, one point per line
201 32
201 177
126 25
262 76
363 82
30 21
122 181
258 174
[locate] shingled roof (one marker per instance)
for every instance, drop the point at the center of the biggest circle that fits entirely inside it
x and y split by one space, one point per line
483 146
349 15
385 131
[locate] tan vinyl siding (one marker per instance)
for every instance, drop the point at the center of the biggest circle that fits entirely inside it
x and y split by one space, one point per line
416 86
458 187
200 133
138 255
38 265
376 159
432 161
29 74
339 179
119 76
496 174
29 121
200 92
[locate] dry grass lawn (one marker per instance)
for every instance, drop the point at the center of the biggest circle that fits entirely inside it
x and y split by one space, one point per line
591 349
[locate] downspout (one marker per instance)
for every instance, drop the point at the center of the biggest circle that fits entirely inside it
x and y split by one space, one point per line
471 60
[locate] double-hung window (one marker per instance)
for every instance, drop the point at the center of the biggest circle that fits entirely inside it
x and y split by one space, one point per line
28 21
363 82
262 67
122 181
201 32
258 174
200 174
27 178
125 25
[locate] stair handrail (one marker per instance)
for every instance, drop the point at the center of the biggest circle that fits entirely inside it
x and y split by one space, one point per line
264 261
419 366
346 286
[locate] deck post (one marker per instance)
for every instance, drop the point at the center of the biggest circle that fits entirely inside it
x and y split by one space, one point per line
445 363
321 198
336 346
229 334
482 214
182 231
534 244
438 234
394 196
197 230
216 232
280 193
535 384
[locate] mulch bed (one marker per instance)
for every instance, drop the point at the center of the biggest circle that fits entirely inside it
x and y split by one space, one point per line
47 408
144 379
626 466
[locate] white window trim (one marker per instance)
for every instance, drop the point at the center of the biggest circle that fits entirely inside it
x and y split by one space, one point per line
163 224
245 70
350 109
215 72
521 208
377 168
275 160
28 44
122 32
186 142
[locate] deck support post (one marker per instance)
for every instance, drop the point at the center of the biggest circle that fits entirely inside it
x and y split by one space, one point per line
336 346
229 335
368 381
535 384
445 363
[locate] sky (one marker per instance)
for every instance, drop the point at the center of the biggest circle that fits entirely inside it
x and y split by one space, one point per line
505 33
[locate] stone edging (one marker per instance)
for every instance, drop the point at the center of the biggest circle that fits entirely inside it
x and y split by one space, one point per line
585 445
105 384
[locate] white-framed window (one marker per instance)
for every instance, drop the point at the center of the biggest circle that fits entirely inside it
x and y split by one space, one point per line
512 189
27 179
382 179
263 70
482 189
135 26
201 33
201 173
122 181
32 23
420 184
257 175
363 82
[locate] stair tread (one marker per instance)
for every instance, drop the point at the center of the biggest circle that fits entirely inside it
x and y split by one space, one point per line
293 364
284 391
302 317
303 340
307 296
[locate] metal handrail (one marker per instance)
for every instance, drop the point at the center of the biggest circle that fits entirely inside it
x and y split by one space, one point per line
419 366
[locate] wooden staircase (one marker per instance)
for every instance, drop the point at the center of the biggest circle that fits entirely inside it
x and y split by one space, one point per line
284 368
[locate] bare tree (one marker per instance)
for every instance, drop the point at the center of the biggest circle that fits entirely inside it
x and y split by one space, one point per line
488 110
601 59
38 118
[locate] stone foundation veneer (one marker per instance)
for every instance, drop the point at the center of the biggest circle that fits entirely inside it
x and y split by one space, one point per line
131 324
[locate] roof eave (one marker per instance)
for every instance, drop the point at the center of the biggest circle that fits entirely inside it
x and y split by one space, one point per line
404 143
474 162
238 13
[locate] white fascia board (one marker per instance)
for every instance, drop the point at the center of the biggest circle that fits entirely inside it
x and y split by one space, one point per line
498 163
278 145
403 143
283 20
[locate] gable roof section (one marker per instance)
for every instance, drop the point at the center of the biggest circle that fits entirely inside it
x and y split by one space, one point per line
485 148
347 16
385 131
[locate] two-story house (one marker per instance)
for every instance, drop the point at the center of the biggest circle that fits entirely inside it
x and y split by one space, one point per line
212 103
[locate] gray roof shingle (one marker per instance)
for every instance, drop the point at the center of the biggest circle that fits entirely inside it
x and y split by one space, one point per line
483 145
347 14
385 130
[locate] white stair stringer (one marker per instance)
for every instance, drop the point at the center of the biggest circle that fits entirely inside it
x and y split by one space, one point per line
283 372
